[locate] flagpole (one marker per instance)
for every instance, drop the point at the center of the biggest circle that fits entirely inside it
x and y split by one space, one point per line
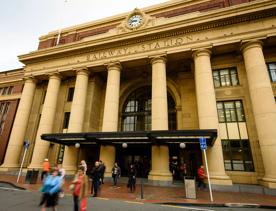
59 31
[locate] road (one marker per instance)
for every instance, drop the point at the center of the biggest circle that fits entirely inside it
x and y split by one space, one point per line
18 200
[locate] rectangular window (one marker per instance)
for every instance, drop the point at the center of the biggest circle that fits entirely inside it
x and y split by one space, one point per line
237 155
4 108
225 77
230 111
272 71
10 90
70 94
66 120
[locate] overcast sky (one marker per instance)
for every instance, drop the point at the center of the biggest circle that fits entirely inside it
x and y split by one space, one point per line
22 22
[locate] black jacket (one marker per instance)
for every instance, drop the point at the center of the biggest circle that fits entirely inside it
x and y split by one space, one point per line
95 173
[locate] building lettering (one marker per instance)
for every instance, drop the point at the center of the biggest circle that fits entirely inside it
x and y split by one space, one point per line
141 48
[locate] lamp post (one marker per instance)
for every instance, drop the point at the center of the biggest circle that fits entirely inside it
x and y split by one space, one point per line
77 146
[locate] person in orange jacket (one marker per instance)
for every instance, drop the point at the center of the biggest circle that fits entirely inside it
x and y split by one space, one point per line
45 168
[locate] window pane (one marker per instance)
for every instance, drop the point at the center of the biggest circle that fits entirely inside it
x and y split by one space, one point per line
70 94
238 165
272 71
216 78
234 77
227 165
237 155
136 113
225 78
230 112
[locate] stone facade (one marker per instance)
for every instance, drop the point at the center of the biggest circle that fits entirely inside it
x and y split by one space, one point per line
175 48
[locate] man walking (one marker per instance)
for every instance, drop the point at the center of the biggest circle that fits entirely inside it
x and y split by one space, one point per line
95 176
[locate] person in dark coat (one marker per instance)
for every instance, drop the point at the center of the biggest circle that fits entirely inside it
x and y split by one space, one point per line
95 175
102 167
131 178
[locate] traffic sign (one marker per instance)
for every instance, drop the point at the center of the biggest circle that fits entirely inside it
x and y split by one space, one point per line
202 142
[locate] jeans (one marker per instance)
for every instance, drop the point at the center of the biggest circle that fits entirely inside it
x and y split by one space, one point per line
95 187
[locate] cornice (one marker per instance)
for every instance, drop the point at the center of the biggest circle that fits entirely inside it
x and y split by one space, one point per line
204 21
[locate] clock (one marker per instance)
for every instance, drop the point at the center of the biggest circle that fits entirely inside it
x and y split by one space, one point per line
134 21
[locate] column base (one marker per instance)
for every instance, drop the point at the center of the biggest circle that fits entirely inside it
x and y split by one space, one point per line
34 166
268 182
160 176
70 170
220 180
108 174
7 167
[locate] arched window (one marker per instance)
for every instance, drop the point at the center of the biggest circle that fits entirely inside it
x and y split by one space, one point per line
136 114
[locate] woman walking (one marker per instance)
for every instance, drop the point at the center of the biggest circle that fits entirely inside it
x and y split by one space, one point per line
116 172
80 192
51 188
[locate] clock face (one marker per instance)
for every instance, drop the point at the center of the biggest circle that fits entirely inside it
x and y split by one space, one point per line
135 21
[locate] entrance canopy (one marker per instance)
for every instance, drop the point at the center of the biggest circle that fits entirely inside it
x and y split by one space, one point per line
157 137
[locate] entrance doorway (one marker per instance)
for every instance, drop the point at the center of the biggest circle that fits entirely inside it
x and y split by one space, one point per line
184 162
91 154
137 154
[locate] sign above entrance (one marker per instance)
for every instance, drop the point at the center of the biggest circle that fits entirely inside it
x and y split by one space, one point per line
202 142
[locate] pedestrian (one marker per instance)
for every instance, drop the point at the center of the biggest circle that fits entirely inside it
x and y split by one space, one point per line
200 177
116 173
50 189
95 175
102 167
80 191
131 178
45 168
84 165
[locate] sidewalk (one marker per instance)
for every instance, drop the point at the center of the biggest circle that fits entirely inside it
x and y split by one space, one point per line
156 194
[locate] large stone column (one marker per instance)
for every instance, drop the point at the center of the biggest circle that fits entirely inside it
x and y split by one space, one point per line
263 105
76 118
111 113
20 125
207 114
159 117
47 119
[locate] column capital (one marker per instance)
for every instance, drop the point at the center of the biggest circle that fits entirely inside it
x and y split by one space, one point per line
114 65
29 79
251 44
201 52
82 71
55 75
162 58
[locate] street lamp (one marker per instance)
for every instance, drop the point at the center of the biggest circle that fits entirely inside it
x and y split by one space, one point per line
77 145
124 145
182 145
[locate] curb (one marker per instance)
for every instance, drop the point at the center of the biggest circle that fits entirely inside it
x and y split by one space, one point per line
13 185
232 205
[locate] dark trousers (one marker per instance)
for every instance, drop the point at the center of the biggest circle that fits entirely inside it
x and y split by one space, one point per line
201 184
76 203
115 179
95 187
131 184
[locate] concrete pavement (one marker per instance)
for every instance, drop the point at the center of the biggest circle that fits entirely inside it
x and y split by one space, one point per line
163 195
